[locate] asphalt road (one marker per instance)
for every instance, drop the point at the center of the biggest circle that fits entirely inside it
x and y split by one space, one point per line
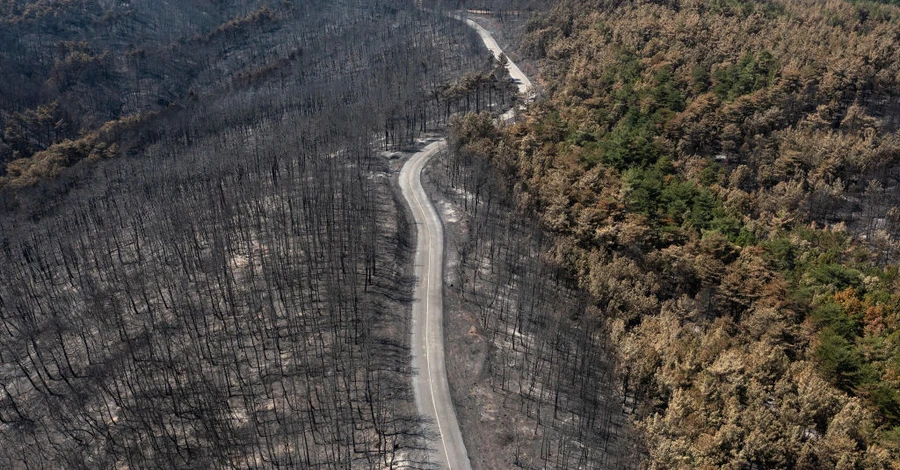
432 392
521 80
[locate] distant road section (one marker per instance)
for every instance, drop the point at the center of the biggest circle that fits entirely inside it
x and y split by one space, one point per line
430 385
521 80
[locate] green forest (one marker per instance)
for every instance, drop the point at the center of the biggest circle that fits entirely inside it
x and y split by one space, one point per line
721 176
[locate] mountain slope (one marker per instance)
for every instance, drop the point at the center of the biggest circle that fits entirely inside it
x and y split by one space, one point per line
687 156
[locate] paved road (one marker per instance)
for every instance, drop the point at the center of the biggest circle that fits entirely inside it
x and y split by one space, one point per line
430 385
430 382
521 80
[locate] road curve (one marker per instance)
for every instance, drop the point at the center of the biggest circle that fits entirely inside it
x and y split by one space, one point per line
430 385
432 391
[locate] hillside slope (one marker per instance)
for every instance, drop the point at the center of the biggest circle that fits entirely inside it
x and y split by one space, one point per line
720 176
226 284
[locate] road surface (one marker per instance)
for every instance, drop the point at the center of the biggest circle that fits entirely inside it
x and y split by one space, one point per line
521 80
430 381
430 385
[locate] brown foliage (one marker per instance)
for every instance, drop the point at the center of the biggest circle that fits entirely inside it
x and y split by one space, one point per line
777 111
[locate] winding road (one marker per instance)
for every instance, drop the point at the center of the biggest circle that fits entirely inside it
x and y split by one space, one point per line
432 391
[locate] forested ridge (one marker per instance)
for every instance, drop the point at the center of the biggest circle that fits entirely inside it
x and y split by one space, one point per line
721 177
83 81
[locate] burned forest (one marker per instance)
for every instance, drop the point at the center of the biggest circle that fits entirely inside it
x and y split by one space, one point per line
204 261
536 364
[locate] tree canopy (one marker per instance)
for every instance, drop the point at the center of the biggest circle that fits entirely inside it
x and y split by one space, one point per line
716 174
